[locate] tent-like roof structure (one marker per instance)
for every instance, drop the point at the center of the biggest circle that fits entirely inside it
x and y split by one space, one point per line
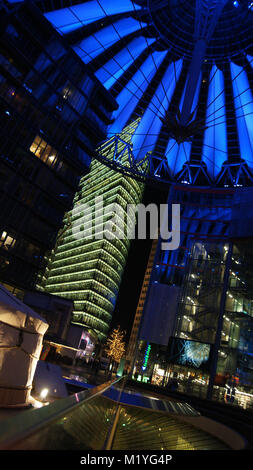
185 68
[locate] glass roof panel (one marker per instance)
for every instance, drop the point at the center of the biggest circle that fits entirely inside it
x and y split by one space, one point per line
244 111
76 16
215 138
114 68
92 46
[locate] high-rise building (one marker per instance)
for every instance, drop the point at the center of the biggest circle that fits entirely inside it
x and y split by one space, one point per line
196 318
87 264
51 121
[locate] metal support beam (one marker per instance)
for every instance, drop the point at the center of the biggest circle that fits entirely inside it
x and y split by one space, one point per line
193 77
206 18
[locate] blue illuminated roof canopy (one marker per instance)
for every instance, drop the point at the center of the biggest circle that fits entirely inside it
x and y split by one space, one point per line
141 52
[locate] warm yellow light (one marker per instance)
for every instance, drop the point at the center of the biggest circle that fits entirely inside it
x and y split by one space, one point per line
44 393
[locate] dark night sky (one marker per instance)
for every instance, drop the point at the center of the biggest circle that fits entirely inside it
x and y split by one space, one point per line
131 285
132 279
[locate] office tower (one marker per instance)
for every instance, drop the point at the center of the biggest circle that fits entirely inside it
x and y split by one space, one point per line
197 319
87 267
50 125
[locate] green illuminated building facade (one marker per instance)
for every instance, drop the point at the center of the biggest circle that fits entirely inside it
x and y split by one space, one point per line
85 268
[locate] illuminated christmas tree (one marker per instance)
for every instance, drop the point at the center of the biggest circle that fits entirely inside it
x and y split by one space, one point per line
115 345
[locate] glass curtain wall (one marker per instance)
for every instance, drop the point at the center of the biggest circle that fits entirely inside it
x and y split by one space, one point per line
198 316
234 379
196 269
210 351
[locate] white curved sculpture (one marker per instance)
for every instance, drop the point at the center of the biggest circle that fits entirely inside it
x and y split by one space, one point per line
21 336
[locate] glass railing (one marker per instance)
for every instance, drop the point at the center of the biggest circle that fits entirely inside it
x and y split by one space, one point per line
116 417
82 421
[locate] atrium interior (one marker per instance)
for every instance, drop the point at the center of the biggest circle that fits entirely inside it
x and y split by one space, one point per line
111 110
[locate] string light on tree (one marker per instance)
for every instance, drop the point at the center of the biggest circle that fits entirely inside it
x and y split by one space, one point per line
115 345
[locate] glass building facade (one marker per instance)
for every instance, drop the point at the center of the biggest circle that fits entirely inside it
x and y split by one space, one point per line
88 262
50 125
200 331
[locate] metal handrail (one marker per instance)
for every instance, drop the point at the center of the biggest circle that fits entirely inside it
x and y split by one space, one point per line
16 429
112 430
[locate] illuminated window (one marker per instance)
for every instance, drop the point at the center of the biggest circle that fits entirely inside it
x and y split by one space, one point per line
6 241
44 151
